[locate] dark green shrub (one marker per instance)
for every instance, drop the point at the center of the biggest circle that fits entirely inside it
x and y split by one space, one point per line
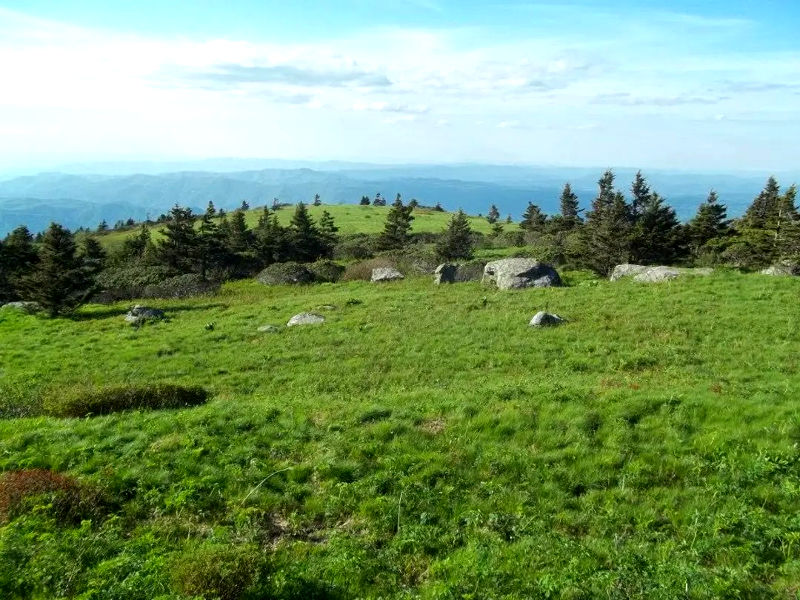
286 273
355 247
104 401
217 571
326 271
182 286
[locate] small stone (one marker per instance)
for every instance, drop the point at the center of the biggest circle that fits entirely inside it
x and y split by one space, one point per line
268 329
306 319
26 307
139 315
544 319
383 274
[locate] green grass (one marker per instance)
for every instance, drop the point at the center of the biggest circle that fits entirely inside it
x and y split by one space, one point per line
349 218
422 444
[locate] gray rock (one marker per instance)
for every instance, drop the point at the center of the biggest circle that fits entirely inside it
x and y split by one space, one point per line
269 329
627 270
383 274
306 319
784 269
543 319
445 274
26 307
657 275
517 273
139 315
327 307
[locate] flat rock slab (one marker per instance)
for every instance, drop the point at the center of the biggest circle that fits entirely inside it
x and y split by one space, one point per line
384 274
782 270
644 274
519 273
26 307
269 329
657 274
306 319
627 270
544 319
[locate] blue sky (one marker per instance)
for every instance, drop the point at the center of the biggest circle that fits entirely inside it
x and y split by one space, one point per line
690 85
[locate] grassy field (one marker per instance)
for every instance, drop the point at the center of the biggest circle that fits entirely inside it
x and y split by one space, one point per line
423 443
349 218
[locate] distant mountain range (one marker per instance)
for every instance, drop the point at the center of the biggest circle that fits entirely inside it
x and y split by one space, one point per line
83 195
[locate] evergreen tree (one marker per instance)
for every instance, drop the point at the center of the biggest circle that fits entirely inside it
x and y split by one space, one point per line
763 212
18 259
328 230
509 220
606 236
245 206
306 243
365 201
178 250
710 223
787 233
379 200
438 207
239 238
270 238
317 200
493 215
93 254
210 248
137 247
570 209
413 204
641 195
533 219
396 230
456 242
497 228
657 236
102 227
60 282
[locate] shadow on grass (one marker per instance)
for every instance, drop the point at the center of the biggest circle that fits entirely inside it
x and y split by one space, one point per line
104 313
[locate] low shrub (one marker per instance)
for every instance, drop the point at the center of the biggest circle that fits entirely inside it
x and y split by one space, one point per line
182 286
217 571
359 246
362 271
104 401
326 271
285 274
69 500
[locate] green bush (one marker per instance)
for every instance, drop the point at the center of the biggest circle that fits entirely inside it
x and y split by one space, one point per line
217 571
104 401
355 247
326 271
286 273
182 286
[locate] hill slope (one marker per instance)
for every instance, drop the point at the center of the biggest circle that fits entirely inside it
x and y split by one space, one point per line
425 443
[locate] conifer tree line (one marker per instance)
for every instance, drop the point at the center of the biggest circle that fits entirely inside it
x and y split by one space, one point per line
632 226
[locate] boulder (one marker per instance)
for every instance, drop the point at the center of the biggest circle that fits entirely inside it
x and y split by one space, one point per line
517 273
139 315
445 274
657 274
306 319
627 270
544 319
784 269
268 329
383 274
26 307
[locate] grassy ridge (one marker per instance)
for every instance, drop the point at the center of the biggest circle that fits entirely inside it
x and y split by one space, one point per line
428 444
349 218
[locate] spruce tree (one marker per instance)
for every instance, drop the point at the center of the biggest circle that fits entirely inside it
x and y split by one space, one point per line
379 200
93 254
137 247
239 238
210 248
365 201
396 229
763 212
787 234
270 238
493 215
60 282
533 219
606 236
178 250
657 236
641 196
710 223
569 209
329 232
19 258
317 200
306 244
456 242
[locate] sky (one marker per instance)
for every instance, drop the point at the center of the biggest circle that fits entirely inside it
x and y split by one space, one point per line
701 85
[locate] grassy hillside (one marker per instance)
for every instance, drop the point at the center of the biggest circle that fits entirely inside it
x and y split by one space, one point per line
424 443
350 218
